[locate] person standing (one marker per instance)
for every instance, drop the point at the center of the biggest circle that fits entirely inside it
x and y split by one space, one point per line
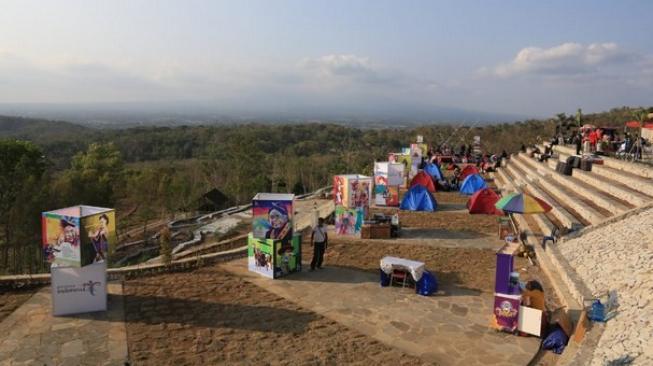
578 141
319 238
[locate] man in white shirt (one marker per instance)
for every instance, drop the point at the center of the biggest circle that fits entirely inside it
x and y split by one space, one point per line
319 239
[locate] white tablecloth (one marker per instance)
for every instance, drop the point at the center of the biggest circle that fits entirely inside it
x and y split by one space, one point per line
388 264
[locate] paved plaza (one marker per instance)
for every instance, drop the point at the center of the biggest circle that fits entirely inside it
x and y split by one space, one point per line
32 336
451 328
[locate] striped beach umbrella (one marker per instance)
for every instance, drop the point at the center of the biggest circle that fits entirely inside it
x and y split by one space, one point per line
522 203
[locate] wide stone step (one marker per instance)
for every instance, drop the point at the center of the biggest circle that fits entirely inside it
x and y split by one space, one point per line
566 219
598 197
643 185
566 287
631 182
612 187
561 194
633 168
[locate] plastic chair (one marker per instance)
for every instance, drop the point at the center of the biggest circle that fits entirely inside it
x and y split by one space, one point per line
398 275
553 237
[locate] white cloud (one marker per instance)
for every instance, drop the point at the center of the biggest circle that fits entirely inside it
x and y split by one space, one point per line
567 59
348 68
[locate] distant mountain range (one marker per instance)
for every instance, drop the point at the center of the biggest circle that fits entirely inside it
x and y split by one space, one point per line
121 115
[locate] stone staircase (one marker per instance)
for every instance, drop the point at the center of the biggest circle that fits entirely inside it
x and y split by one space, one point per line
582 200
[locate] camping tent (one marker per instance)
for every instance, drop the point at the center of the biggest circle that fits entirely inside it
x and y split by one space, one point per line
418 198
434 171
482 202
468 170
424 180
471 184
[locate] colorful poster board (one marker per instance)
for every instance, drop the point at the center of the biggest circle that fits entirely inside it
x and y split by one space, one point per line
359 191
387 179
260 256
79 290
78 236
506 311
274 258
419 150
352 190
349 221
273 216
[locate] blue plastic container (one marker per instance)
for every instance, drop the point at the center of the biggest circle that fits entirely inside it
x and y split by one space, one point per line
597 312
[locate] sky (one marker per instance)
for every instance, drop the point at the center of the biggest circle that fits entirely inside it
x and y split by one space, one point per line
534 58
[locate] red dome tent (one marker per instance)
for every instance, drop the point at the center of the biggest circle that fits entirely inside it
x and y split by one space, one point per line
482 202
468 170
424 180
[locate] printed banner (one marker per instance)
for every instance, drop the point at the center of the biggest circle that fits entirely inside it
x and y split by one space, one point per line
274 258
419 150
260 256
288 257
349 221
360 192
78 236
272 219
506 311
61 239
98 237
340 190
79 290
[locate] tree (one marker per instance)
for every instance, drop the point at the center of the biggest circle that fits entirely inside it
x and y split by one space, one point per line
22 171
95 174
21 166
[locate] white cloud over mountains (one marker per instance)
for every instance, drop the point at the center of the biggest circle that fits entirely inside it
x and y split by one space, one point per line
567 59
348 67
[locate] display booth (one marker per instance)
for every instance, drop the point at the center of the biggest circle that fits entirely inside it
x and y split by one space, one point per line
388 177
508 313
77 243
403 159
352 195
507 294
274 249
78 236
274 258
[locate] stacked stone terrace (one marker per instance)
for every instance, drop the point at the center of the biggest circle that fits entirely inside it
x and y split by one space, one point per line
584 263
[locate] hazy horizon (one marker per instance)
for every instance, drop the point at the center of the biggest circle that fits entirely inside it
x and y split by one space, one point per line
326 59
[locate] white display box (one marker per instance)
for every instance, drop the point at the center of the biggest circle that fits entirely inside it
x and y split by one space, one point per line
79 290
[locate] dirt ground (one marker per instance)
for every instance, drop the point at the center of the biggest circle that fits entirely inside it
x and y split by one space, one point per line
219 318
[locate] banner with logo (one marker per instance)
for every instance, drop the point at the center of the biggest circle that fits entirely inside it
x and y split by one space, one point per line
506 311
79 290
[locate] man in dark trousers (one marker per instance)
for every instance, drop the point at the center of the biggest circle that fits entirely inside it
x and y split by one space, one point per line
319 239
578 141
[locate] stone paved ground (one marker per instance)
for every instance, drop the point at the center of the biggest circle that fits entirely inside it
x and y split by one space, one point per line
32 336
11 299
619 256
451 329
211 317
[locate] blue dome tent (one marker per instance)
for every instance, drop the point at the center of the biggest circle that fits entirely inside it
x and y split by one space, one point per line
418 198
434 171
471 184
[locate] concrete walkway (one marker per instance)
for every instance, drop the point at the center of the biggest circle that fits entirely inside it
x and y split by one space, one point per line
449 329
32 336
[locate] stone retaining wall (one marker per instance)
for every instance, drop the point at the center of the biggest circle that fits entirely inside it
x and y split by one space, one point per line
618 255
